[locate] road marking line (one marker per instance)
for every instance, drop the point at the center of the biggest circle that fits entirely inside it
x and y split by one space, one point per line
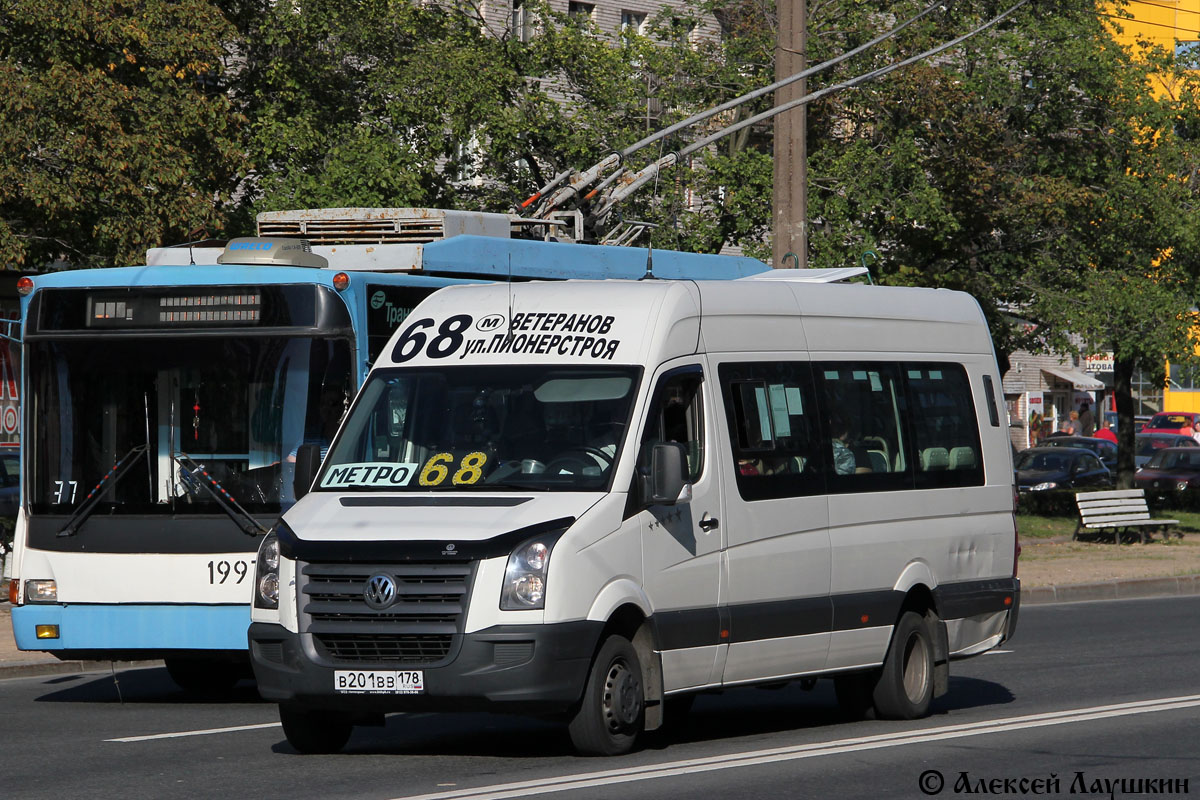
182 734
587 780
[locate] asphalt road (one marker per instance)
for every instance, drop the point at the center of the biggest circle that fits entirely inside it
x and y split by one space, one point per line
1086 696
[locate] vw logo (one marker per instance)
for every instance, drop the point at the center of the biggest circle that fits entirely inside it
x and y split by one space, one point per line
380 592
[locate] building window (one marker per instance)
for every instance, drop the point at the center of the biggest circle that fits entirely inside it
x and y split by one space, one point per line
1188 54
633 21
522 22
1184 377
580 10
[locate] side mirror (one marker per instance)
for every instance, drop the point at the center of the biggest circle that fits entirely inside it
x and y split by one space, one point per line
308 462
666 483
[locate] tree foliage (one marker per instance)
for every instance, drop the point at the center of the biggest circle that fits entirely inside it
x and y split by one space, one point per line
116 131
391 103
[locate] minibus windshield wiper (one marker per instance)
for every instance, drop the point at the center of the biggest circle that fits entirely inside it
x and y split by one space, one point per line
107 482
240 516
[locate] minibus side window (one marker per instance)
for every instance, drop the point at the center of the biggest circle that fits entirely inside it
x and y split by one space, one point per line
945 430
865 443
990 392
773 428
678 416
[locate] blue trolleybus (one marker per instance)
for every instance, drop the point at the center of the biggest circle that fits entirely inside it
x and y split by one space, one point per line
165 405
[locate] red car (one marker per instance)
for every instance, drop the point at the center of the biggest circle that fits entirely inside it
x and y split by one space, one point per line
1186 423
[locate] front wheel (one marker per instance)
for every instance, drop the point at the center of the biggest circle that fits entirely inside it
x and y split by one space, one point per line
905 687
612 712
315 731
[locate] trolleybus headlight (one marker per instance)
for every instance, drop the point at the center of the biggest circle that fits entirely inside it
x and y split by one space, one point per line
266 578
41 592
525 576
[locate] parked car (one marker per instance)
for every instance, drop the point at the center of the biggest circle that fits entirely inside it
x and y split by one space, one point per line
1040 468
1105 450
1186 423
1139 421
1147 444
1171 468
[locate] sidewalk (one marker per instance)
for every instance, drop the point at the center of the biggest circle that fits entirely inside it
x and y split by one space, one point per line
16 663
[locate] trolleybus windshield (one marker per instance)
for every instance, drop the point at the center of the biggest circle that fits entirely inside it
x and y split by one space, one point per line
238 406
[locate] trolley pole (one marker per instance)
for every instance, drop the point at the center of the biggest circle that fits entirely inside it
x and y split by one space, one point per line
790 200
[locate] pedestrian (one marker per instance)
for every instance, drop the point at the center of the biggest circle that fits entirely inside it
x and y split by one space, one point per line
1071 426
1106 432
1087 420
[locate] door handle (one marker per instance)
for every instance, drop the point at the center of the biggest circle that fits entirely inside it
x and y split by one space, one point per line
708 522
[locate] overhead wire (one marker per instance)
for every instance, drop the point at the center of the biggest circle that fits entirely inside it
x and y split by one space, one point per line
641 177
1147 22
1165 7
586 177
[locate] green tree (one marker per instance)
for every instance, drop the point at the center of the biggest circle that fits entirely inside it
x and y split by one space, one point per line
116 132
392 103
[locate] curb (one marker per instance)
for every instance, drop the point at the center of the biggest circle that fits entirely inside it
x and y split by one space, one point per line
1112 590
36 669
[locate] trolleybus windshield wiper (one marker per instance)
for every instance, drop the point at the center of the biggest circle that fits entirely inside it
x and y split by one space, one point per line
241 517
107 482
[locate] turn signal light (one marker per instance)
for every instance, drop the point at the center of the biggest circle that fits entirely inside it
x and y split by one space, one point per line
341 281
14 591
24 285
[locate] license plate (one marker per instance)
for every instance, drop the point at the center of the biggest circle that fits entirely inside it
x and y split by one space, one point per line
378 681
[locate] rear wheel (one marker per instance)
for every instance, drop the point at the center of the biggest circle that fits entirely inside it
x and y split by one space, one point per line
315 731
612 711
905 687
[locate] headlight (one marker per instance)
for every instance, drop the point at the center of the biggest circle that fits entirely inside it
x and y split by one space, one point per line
1041 487
266 575
525 576
41 592
1181 485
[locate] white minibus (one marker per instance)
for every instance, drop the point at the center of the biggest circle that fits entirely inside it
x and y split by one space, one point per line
596 499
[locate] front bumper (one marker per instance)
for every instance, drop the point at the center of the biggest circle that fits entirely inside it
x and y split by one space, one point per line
523 668
103 631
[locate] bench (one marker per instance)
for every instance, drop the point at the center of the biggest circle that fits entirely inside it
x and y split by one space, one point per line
1123 511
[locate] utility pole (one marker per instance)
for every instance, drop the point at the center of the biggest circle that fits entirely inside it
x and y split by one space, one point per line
790 200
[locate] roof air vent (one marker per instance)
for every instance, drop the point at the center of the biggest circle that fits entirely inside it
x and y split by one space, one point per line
271 251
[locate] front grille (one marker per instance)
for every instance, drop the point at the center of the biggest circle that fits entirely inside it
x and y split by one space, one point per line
389 649
418 628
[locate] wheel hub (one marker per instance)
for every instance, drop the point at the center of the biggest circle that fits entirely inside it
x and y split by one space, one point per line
622 697
916 668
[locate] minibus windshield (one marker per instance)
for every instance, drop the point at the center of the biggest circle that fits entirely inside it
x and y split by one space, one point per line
484 428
